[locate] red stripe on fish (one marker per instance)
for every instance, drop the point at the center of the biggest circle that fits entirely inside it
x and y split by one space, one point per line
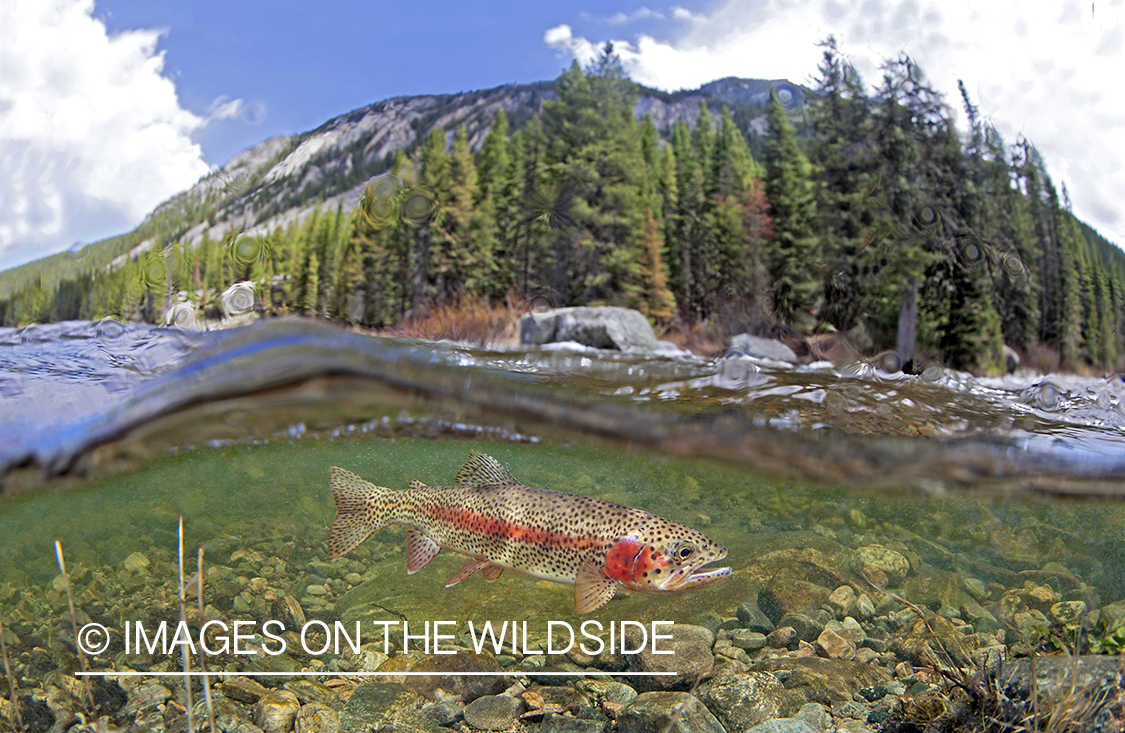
470 520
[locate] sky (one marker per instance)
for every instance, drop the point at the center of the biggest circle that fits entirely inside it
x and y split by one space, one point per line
109 107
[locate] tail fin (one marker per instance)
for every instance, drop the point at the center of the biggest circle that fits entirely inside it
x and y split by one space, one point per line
356 517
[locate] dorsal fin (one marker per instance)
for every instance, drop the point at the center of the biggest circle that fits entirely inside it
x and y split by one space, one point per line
483 470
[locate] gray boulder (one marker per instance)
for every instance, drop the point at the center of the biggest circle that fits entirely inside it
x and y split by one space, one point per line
746 345
602 327
1011 359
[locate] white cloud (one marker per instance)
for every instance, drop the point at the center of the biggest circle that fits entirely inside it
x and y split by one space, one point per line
620 18
92 135
1044 70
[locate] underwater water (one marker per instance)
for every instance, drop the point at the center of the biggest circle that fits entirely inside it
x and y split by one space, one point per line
850 501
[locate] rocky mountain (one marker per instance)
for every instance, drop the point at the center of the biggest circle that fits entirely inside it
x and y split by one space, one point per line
283 178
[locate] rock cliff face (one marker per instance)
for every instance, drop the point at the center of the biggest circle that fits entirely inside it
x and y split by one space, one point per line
283 178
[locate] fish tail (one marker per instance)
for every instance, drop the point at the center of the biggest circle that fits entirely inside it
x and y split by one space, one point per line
356 516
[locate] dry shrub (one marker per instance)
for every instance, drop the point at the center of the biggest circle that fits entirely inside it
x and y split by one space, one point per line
469 318
1043 359
832 346
698 337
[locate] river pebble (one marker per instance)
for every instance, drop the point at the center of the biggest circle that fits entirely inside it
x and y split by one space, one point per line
783 725
493 712
555 723
276 711
752 618
316 718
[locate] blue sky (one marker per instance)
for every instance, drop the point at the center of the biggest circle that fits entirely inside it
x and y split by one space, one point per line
108 107
296 65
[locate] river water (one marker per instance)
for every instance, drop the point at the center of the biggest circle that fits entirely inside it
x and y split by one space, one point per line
998 494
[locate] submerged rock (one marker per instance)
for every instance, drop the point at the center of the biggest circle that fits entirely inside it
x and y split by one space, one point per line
493 712
691 659
784 725
784 597
465 687
880 559
752 618
602 327
276 711
554 723
842 601
367 705
243 689
316 718
741 701
667 712
834 646
811 679
933 638
807 628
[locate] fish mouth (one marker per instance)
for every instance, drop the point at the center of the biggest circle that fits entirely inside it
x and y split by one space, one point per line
688 579
694 576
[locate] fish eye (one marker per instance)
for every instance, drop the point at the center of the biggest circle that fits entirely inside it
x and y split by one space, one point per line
682 550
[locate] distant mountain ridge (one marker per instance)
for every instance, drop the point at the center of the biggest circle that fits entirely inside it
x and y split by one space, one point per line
283 178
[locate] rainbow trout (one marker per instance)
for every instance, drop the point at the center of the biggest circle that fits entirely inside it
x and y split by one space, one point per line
502 524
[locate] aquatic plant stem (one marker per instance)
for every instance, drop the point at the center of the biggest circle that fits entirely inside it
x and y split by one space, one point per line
74 621
961 678
203 657
183 621
11 679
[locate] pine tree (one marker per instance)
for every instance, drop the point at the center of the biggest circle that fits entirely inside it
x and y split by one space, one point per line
795 255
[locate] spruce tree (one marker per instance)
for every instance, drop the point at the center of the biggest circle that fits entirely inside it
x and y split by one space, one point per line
795 252
500 172
598 165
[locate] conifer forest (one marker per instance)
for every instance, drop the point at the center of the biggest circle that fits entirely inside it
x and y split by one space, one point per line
865 212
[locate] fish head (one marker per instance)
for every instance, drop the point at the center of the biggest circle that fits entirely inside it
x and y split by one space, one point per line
664 557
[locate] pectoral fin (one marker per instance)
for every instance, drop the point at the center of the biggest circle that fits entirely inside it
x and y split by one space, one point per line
592 589
467 570
420 549
491 572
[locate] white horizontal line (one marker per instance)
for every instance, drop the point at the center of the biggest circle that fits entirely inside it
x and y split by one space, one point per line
370 674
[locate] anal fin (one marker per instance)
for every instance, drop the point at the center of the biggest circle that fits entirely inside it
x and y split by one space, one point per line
471 567
420 549
468 570
592 589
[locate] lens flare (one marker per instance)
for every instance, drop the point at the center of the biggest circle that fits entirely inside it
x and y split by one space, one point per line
175 264
247 249
238 298
381 195
971 254
417 207
109 329
786 95
888 362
